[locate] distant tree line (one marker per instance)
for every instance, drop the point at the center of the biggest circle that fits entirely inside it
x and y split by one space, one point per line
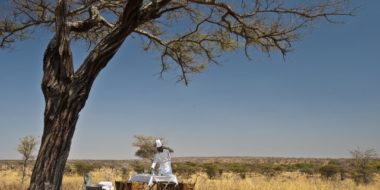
361 168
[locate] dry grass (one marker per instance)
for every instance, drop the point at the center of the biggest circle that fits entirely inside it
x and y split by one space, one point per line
285 181
10 180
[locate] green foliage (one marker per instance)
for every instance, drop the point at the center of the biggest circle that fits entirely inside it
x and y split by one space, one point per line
185 169
146 146
361 170
268 169
69 169
362 176
139 167
375 164
82 168
27 146
307 168
377 168
213 170
287 167
340 168
240 168
329 171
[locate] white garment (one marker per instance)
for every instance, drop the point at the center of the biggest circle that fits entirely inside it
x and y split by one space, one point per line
164 160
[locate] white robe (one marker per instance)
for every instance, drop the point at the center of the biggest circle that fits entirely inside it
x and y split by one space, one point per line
164 160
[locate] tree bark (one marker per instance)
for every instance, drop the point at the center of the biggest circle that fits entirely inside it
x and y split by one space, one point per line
66 91
64 98
55 145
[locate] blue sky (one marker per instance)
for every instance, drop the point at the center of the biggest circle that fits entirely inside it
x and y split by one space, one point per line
322 101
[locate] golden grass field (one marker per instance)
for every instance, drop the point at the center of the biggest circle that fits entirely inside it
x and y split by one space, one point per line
10 180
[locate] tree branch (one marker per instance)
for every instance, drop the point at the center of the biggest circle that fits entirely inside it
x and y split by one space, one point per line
200 30
99 57
25 15
177 51
94 20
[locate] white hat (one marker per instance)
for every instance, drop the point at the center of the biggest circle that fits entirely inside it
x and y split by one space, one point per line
158 143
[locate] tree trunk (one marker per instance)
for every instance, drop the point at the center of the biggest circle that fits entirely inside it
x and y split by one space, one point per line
24 163
64 99
55 147
66 92
65 96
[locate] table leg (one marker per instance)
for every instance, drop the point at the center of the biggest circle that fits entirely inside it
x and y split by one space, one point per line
151 187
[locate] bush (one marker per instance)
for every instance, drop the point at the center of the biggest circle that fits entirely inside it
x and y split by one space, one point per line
213 170
69 169
239 168
377 168
306 168
362 172
185 169
268 169
125 173
138 167
287 167
329 171
364 176
82 168
375 164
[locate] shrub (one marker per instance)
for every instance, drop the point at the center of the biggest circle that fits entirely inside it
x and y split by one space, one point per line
287 167
329 171
125 173
306 168
69 169
239 168
82 168
375 164
377 168
185 169
138 167
213 170
268 169
362 172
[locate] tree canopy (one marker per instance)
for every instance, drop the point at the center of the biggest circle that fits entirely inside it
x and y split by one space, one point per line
189 34
146 146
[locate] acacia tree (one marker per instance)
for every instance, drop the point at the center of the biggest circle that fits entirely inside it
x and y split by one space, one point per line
361 167
187 34
146 146
26 148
